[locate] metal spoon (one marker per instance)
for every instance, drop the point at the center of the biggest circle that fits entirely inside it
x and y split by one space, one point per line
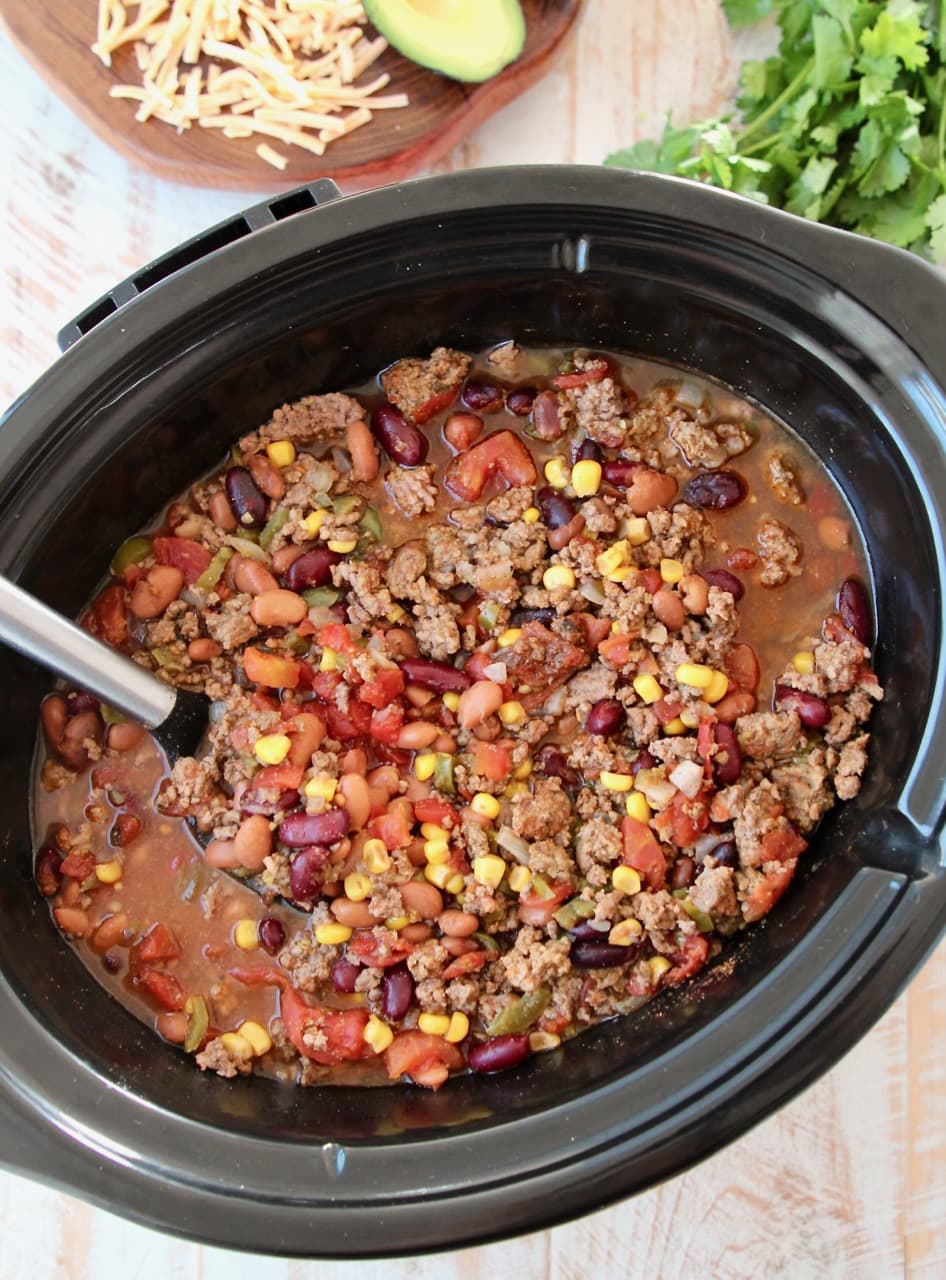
176 717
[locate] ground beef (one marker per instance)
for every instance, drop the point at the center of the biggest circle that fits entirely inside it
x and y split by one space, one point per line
598 410
544 812
534 961
231 626
709 446
599 515
853 762
509 506
769 735
761 813
783 479
505 357
414 491
780 550
306 421
226 1062
552 860
597 842
414 384
368 597
680 533
714 892
805 788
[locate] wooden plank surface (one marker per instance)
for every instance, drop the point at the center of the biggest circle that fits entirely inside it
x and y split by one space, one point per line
847 1181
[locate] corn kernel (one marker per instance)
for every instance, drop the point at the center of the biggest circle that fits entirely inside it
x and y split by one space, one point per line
451 701
513 789
647 688
246 934
342 546
397 923
558 575
671 570
376 857
458 1029
438 874
485 805
436 851
332 935
433 1024
259 1038
638 531
658 967
321 787
328 660
543 1041
556 473
717 687
612 559
272 748
586 477
395 613
637 807
313 523
804 663
377 1034
512 713
532 515
519 879
695 674
625 934
237 1044
434 831
489 870
621 575
456 884
523 771
615 781
357 886
281 453
626 879
509 637
675 727
109 872
424 764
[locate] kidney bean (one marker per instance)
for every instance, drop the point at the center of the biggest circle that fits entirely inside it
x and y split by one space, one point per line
589 451
438 676
668 607
344 975
463 429
481 397
267 476
400 439
81 701
715 490
589 931
556 509
546 419
854 609
599 955
520 401
364 455
458 924
499 1054
301 829
683 873
70 748
812 711
253 842
726 581
619 472
424 899
521 616
742 560
246 501
48 870
644 761
279 608
726 771
312 569
152 594
252 801
725 854
742 667
272 935
736 703
305 872
397 992
221 513
558 538
552 762
605 717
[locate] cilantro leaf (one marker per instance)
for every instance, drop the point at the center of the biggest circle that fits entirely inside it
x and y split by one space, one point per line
898 33
833 56
741 13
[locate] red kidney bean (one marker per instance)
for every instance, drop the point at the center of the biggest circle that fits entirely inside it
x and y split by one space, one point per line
683 873
254 801
588 931
605 717
715 490
521 616
499 1054
854 609
600 955
48 869
619 472
248 503
400 439
556 509
644 761
520 401
552 762
438 676
725 854
397 992
81 701
312 569
727 772
345 975
305 873
726 581
481 397
742 559
589 451
301 829
811 710
546 420
272 935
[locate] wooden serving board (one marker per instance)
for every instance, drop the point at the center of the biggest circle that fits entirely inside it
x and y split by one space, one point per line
56 39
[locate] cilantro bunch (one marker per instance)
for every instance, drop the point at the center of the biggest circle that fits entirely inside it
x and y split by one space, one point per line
846 124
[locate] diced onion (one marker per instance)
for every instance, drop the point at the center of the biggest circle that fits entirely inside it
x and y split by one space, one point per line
592 591
507 839
691 394
688 777
496 671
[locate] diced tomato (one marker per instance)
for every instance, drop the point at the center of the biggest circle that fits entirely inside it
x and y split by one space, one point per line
325 683
821 500
643 853
428 1060
688 961
442 400
386 725
501 453
491 760
354 722
78 865
184 554
270 669
277 778
159 943
768 890
683 819
383 688
433 809
595 629
108 618
704 738
534 909
594 371
343 1030
650 580
615 649
470 962
365 947
336 636
259 976
666 709
264 701
162 987
391 755
393 827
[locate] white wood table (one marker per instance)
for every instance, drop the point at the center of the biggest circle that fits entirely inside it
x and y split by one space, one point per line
850 1179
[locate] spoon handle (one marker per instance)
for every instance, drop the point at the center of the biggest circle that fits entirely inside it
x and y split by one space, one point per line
41 634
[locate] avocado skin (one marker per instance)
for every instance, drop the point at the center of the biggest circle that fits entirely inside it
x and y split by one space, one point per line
472 45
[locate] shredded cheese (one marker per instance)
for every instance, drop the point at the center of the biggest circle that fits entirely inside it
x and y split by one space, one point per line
286 69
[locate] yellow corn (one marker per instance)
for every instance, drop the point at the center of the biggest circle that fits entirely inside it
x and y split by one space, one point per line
512 713
485 805
523 771
434 831
258 1037
313 523
690 717
395 613
637 807
647 688
377 1034
543 1041
109 872
675 727
804 663
519 879
433 1024
272 748
438 873
612 559
458 1029
658 967
424 764
456 884
509 637
328 660
626 880
556 473
638 531
586 477
342 546
717 688
513 789
246 934
558 575
671 570
615 781
489 870
237 1044
531 515
357 886
322 787
622 574
625 934
436 851
451 701
397 923
695 674
332 935
376 857
281 453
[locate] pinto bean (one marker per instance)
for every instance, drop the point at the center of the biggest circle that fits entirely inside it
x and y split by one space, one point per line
458 924
416 735
459 946
357 915
221 853
268 477
462 430
72 920
742 667
354 761
400 642
740 702
279 608
253 842
221 513
445 743
418 697
354 787
424 899
253 578
306 733
203 649
478 703
385 778
286 556
110 933
364 455
668 607
694 591
154 592
173 1026
417 932
649 489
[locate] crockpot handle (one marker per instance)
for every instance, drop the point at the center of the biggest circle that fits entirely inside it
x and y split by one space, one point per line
258 216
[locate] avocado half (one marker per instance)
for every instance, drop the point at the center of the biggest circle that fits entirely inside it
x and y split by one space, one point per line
465 39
